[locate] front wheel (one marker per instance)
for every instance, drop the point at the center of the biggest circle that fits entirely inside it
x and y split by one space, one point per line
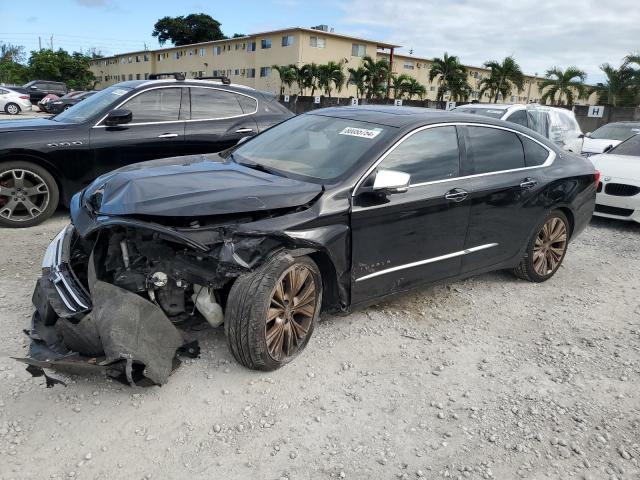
546 249
12 108
271 312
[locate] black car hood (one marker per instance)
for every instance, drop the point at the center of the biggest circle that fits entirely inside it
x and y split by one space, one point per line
195 185
29 124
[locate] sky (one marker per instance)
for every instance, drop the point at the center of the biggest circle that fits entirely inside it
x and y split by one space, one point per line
539 33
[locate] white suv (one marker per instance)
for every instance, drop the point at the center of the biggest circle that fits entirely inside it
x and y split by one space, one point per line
557 124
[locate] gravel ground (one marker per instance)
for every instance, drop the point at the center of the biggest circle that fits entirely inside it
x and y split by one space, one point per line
485 378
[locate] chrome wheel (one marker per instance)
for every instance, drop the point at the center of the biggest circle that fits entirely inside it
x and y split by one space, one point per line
24 195
291 311
550 246
13 109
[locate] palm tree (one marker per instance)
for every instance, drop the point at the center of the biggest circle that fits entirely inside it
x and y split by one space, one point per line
307 76
287 76
358 77
329 76
377 76
399 84
413 87
620 89
503 75
452 76
561 83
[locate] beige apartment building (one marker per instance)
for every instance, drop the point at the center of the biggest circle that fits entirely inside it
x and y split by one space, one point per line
249 60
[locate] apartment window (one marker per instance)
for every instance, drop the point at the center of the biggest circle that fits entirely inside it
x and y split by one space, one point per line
202 52
251 73
123 77
265 43
287 40
409 65
237 46
251 47
131 76
358 50
218 73
137 76
145 57
146 76
265 71
236 71
130 59
317 42
217 50
123 60
433 89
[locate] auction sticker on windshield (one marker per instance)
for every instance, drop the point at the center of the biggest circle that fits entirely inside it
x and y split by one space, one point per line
119 92
361 132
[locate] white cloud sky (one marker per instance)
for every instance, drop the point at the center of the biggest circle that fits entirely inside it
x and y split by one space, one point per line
540 34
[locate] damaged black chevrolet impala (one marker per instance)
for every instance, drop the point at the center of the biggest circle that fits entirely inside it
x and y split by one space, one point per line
327 211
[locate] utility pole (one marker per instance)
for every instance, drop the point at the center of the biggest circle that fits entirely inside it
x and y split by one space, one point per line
51 42
39 42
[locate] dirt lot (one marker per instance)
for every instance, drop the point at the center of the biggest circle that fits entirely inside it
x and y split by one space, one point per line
486 378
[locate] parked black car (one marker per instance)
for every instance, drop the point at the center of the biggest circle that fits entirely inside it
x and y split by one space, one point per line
329 210
67 101
43 160
38 89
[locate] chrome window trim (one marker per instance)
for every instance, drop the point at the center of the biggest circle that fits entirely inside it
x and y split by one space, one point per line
97 125
426 261
549 161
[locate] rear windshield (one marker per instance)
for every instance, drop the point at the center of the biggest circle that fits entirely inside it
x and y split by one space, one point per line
487 112
630 146
615 132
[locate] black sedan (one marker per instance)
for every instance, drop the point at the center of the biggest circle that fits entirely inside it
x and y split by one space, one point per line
67 101
44 161
330 210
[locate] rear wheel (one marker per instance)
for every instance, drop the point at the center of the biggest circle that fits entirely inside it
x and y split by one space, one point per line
546 250
12 108
272 311
28 194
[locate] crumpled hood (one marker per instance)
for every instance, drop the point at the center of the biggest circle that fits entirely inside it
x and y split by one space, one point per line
194 185
617 166
29 124
597 145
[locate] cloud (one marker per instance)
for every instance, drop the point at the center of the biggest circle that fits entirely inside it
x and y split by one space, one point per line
93 3
539 33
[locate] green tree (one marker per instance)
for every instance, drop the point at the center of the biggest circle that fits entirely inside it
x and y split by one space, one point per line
560 83
73 69
414 88
12 70
376 77
306 77
451 77
358 77
331 76
399 84
620 88
194 28
287 76
504 75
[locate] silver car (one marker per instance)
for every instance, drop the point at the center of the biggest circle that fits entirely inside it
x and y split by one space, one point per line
13 102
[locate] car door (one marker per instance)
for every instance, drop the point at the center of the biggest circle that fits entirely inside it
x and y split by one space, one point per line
503 193
405 239
156 130
219 119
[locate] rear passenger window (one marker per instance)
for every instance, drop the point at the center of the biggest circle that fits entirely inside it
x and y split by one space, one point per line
208 103
248 104
519 117
493 150
534 153
428 155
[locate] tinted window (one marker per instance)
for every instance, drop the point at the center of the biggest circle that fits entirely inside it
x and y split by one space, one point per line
519 117
158 105
210 103
534 153
248 104
631 146
493 150
92 106
428 155
616 131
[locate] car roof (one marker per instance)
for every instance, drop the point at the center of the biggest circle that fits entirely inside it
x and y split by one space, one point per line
400 117
493 106
207 83
623 122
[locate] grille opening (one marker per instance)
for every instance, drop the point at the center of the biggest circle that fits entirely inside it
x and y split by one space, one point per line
621 212
621 189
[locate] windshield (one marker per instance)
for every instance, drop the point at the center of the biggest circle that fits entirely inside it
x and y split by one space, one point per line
312 146
615 131
631 146
92 105
487 112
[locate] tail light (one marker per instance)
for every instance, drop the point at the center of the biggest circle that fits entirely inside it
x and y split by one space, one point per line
596 177
24 97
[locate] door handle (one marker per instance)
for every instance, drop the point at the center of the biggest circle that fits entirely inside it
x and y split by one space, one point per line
528 183
456 195
244 130
168 135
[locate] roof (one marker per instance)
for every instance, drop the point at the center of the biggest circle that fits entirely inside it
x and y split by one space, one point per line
189 81
493 106
270 32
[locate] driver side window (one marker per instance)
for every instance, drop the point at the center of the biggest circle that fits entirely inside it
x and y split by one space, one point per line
158 105
428 155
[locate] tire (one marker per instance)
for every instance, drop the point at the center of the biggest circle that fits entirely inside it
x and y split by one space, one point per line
252 338
546 249
31 203
12 108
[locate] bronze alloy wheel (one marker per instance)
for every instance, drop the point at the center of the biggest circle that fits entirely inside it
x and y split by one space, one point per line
293 306
550 246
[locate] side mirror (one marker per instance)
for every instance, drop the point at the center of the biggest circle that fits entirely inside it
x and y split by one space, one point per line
119 116
607 148
391 181
33 87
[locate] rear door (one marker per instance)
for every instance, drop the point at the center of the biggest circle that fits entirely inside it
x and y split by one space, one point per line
219 119
504 189
156 130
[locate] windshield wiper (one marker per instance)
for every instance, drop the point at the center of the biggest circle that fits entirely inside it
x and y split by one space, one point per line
256 166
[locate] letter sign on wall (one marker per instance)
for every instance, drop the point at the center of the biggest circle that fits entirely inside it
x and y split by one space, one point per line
397 102
316 99
451 105
286 99
354 102
595 111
